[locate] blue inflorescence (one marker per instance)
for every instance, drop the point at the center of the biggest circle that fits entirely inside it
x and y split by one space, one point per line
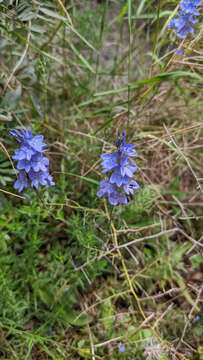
183 24
120 166
32 164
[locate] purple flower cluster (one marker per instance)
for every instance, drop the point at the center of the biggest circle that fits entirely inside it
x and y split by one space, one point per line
121 168
187 17
32 165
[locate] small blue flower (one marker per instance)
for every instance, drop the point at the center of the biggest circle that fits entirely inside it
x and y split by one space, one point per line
121 347
184 23
190 6
40 178
22 181
131 187
24 153
21 135
179 52
118 179
37 143
110 191
118 198
197 318
127 167
106 188
121 168
32 164
109 161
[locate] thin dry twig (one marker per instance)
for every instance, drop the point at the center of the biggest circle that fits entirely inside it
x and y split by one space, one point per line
190 316
184 157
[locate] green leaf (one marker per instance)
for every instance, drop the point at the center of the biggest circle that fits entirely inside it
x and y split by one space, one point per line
196 261
107 316
12 98
52 14
74 318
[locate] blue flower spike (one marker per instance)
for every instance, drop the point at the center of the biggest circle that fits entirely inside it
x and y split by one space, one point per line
119 185
186 18
32 165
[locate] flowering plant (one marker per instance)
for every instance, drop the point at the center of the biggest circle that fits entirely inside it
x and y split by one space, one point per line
32 164
121 169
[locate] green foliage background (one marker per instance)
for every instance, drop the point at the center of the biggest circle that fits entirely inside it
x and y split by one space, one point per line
76 276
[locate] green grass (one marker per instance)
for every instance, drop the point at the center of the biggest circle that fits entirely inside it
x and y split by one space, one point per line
76 276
